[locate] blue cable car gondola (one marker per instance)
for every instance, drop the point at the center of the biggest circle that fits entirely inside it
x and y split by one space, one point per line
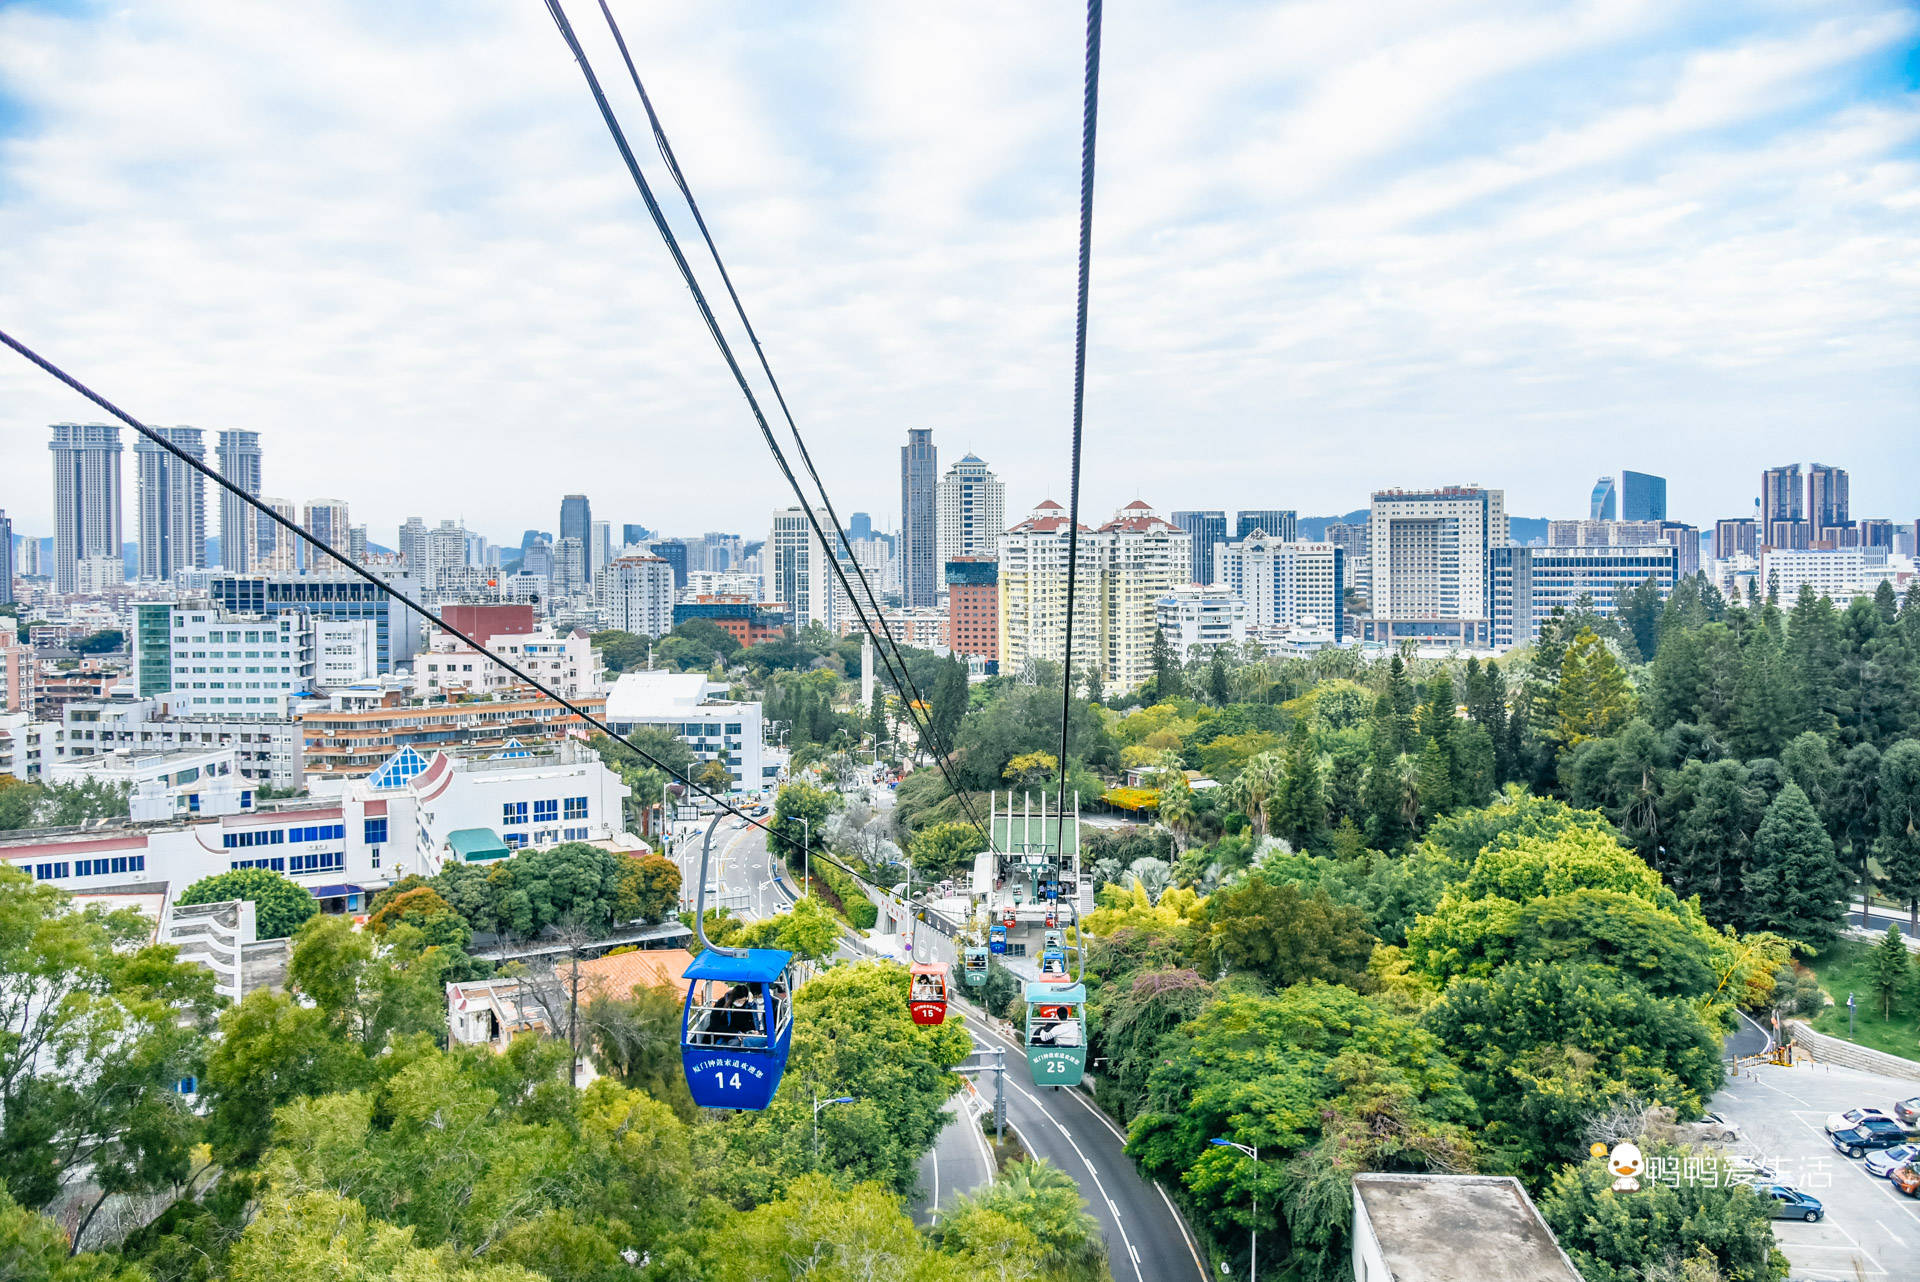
737 1026
997 939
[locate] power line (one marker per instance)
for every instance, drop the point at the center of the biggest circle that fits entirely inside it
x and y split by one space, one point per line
559 16
1089 117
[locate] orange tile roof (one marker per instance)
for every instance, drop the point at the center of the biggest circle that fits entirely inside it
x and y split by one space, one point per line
621 973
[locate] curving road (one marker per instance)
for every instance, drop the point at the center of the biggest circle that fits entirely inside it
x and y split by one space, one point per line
1147 1241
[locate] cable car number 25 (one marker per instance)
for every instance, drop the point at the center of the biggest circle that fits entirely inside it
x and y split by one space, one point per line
721 1078
1055 1066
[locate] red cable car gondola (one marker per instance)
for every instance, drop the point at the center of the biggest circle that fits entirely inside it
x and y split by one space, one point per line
927 992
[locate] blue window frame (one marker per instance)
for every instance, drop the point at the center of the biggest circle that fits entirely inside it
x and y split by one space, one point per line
323 861
47 872
515 840
513 813
576 807
546 812
376 832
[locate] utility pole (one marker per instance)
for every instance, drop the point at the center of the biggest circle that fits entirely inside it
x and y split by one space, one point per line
806 847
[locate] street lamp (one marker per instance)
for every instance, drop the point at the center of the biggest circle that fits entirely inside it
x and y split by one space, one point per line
819 1104
1253 1262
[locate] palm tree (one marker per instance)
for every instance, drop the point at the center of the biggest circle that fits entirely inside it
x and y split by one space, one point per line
1177 812
1259 779
1044 1200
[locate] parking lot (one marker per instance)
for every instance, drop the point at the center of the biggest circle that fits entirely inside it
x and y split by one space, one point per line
1870 1230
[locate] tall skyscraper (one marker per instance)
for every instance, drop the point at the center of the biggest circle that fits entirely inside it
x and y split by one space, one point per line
1353 540
973 511
633 535
599 543
1643 497
1602 506
357 548
637 594
859 526
6 559
919 532
799 577
1827 499
1204 529
1276 522
537 558
576 522
1780 498
274 546
569 567
170 504
1430 564
86 501
446 550
326 520
412 546
239 457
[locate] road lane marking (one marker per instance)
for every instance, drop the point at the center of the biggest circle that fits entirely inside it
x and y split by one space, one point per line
1118 1224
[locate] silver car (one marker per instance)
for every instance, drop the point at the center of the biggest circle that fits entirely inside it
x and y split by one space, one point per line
1883 1163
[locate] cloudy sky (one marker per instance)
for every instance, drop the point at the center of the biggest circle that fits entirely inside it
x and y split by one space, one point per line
1338 247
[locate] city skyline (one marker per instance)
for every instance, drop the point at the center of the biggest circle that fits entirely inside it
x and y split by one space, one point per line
1603 276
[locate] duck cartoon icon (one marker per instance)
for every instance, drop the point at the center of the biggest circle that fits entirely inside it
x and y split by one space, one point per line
1626 1164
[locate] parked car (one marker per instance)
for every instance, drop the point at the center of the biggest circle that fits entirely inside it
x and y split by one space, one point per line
1907 1180
1883 1163
1907 1111
1870 1136
1714 1126
1742 1169
1851 1118
1784 1203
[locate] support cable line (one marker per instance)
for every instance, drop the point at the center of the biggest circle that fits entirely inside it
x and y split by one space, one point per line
739 309
902 687
301 532
1089 117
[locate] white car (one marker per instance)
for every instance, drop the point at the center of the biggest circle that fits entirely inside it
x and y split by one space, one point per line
1883 1163
1742 1169
1851 1118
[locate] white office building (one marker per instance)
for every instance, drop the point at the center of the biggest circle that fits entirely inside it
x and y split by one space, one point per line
636 594
165 785
233 665
416 814
1529 584
696 711
799 576
266 751
1204 619
562 661
728 583
1285 585
1429 552
1839 573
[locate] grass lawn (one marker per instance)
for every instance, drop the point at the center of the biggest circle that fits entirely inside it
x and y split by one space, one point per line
1846 967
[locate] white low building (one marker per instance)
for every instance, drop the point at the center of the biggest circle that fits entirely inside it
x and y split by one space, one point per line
1839 573
165 785
564 662
416 814
269 751
1207 618
694 710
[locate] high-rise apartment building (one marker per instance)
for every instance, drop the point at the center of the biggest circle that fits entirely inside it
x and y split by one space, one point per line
919 520
86 502
1781 497
637 594
1278 522
238 454
1827 507
1125 568
1686 545
569 567
1353 540
1430 564
973 608
537 560
600 545
445 555
358 547
1735 536
27 561
674 553
1574 534
576 522
6 559
170 504
972 511
1286 584
412 545
1643 497
326 520
1603 505
274 545
1205 530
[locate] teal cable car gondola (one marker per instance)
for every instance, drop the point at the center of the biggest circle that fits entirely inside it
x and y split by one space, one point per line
976 967
1056 1033
737 1026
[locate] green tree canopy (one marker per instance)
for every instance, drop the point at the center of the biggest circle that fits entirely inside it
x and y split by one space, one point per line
279 905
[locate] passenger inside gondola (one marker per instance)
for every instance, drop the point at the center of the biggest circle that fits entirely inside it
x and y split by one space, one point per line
736 1017
926 988
1056 1026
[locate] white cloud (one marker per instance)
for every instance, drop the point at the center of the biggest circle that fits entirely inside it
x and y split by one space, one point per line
1337 247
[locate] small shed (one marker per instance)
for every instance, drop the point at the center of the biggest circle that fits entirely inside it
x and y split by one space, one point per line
476 845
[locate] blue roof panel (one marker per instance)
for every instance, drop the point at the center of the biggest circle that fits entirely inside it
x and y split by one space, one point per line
759 966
